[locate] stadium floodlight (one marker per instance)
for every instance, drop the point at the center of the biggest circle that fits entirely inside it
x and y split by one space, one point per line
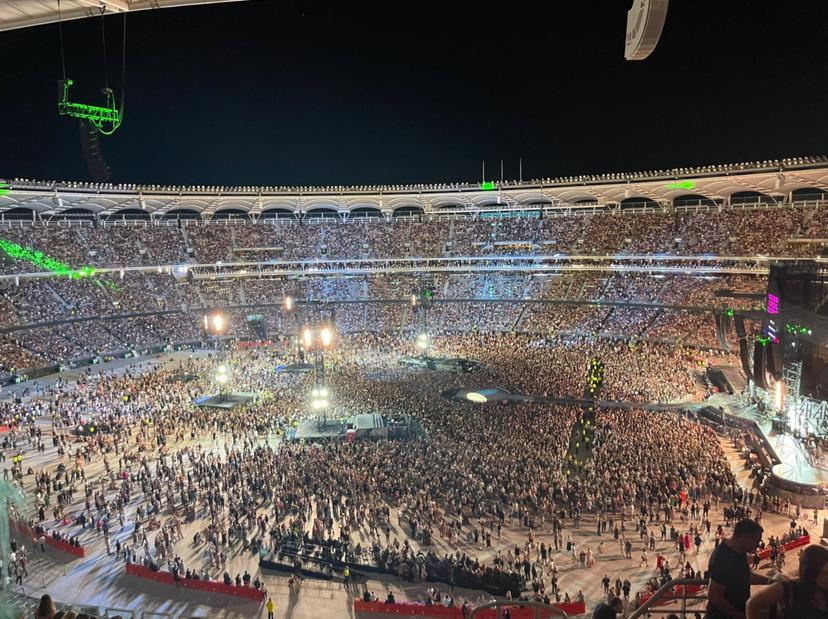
326 335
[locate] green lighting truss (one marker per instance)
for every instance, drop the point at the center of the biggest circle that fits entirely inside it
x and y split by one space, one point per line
4 189
104 119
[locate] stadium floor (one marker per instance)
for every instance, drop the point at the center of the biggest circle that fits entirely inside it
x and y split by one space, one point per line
100 580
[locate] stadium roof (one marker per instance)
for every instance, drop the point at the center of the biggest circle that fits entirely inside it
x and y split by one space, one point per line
25 13
769 181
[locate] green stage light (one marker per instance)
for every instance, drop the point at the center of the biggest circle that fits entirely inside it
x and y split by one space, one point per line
4 189
681 185
37 258
487 185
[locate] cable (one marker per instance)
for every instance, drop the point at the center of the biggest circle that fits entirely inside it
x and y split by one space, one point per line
62 56
123 70
103 37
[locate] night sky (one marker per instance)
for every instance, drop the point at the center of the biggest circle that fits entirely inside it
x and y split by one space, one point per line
296 93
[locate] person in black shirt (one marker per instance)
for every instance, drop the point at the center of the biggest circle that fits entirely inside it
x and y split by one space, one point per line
608 611
730 574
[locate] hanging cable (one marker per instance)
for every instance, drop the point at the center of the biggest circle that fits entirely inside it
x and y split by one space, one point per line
123 70
103 38
62 54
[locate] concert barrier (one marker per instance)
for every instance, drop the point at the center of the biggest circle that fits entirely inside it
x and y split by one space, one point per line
365 609
59 544
802 541
677 594
213 586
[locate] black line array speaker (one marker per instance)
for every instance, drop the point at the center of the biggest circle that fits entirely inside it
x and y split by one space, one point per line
775 359
744 351
91 146
759 356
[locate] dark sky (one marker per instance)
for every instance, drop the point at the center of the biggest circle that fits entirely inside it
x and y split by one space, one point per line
290 92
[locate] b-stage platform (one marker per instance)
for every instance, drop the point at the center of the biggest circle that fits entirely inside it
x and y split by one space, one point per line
226 401
441 364
358 427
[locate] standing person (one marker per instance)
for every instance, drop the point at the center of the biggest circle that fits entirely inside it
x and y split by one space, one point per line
730 574
804 598
271 606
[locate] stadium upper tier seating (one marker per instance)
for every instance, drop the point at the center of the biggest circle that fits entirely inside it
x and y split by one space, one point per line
36 302
777 231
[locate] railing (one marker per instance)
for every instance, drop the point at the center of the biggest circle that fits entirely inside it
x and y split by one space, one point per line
539 610
681 590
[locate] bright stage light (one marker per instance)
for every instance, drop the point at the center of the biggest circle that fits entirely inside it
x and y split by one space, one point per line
222 369
315 393
327 336
307 337
218 323
323 393
223 378
422 341
288 303
777 400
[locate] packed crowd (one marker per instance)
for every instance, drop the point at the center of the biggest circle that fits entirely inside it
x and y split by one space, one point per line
734 232
84 301
167 471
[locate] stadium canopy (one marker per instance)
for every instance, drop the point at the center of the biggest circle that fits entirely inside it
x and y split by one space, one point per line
25 13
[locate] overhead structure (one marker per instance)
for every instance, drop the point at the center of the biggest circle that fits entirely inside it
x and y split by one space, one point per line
773 182
16 14
645 21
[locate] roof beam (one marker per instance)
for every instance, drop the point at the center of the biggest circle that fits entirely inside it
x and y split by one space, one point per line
120 5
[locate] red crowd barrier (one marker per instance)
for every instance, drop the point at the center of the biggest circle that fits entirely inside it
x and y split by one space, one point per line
802 541
675 595
133 569
62 545
440 612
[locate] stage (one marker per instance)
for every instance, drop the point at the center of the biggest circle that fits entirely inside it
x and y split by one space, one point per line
226 401
359 427
792 465
440 364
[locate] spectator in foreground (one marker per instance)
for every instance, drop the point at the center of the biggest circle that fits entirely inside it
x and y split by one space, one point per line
805 597
46 609
609 610
730 573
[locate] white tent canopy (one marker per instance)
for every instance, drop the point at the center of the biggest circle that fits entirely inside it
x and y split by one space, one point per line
25 13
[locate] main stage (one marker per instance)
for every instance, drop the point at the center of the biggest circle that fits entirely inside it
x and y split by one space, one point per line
792 467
